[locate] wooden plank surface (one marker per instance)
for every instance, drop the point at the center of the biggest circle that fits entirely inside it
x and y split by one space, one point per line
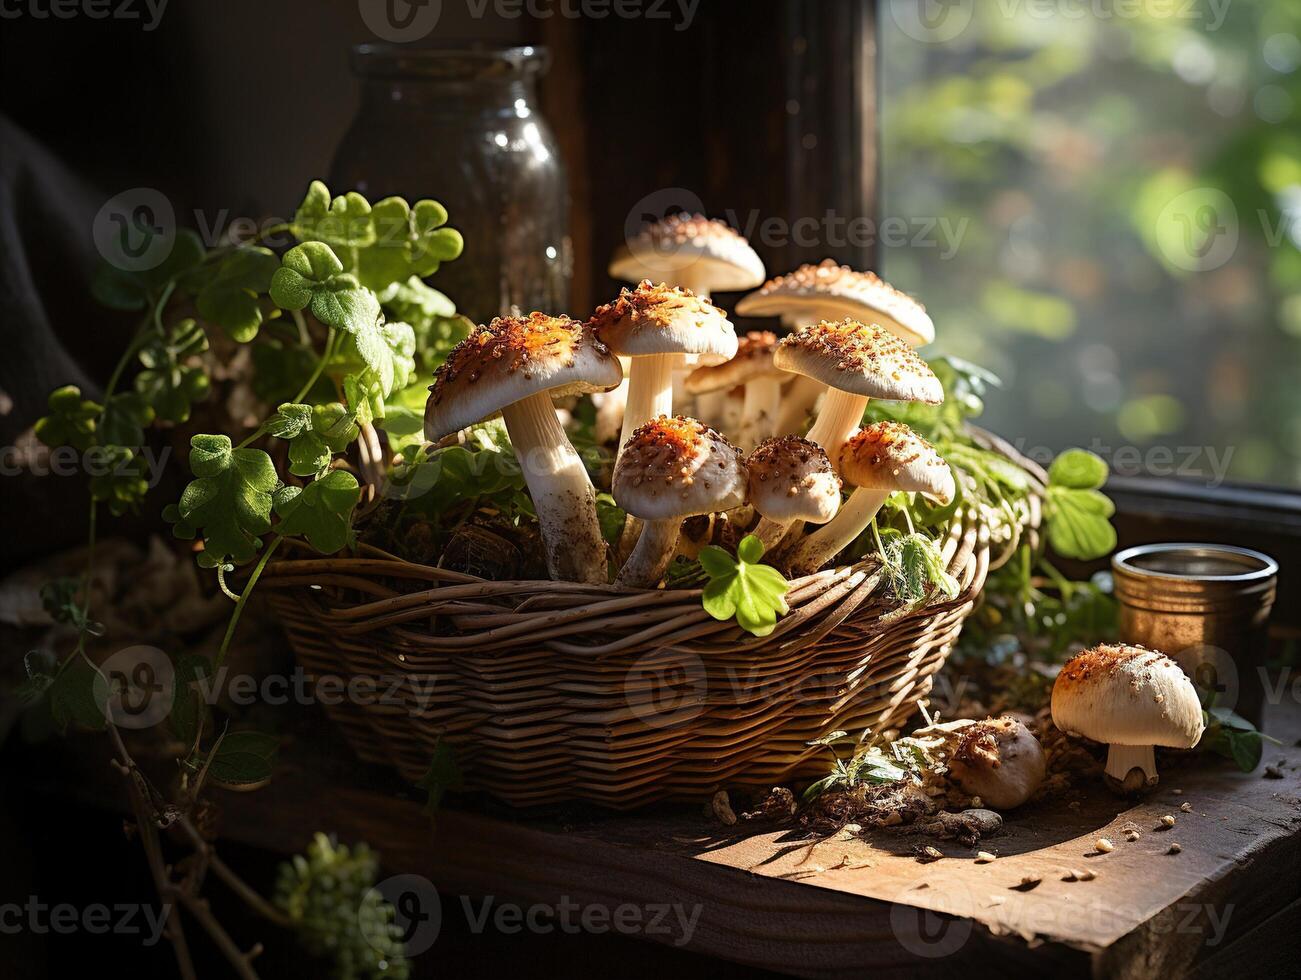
827 906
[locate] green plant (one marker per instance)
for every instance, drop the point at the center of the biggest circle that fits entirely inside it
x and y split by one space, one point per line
742 587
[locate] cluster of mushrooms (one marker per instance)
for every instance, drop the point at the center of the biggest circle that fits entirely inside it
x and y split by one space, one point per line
706 420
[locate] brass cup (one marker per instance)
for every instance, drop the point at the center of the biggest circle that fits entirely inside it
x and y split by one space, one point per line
1205 605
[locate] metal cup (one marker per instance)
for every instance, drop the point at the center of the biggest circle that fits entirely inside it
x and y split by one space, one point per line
1205 605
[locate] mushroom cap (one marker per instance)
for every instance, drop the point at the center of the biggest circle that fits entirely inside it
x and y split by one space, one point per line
1127 695
710 248
829 290
662 319
999 760
890 456
678 467
791 479
860 358
753 359
510 359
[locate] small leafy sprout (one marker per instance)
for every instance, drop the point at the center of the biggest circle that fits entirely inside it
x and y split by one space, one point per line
1079 524
171 382
755 594
870 764
321 512
1230 735
915 569
230 296
229 503
71 421
314 434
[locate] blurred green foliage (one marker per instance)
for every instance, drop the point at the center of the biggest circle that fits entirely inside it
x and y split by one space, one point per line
1121 187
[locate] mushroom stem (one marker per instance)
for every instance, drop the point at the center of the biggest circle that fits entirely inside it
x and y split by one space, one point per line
650 559
797 403
1131 768
830 539
562 492
759 410
770 532
650 391
841 415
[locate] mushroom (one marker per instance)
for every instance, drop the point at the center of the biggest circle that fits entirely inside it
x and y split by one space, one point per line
791 480
856 361
881 459
752 366
828 291
656 326
671 469
691 251
999 760
1133 699
516 365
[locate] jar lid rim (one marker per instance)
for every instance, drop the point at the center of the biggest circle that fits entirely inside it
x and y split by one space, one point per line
1123 562
451 62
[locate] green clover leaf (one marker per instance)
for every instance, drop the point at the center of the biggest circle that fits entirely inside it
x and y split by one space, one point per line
119 289
755 594
71 421
170 381
314 433
1078 513
1078 469
124 420
321 512
379 361
408 241
230 297
229 503
119 479
344 221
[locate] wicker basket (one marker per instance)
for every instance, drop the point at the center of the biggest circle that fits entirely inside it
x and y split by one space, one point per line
554 691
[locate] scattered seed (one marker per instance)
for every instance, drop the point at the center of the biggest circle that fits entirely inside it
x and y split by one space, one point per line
1168 820
1177 792
1103 846
1273 772
1028 883
1132 835
977 803
1087 875
984 857
1072 875
1174 849
1186 807
852 828
928 854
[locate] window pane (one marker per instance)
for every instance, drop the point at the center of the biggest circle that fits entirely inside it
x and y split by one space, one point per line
1101 201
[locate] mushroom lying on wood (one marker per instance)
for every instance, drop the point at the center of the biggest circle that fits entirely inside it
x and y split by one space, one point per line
881 459
672 469
856 361
998 760
1133 699
516 365
791 480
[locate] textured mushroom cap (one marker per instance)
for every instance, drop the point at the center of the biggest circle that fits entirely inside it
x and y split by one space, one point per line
709 247
1127 695
791 479
998 760
678 467
753 359
859 358
828 290
663 319
510 359
890 456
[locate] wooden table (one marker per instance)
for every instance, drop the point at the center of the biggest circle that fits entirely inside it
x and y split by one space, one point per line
1229 904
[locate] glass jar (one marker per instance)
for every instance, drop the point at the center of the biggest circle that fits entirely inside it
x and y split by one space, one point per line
461 126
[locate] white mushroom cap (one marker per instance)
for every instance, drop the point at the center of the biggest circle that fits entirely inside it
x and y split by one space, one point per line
673 468
890 456
862 359
828 290
708 251
662 319
753 359
511 359
791 479
1127 695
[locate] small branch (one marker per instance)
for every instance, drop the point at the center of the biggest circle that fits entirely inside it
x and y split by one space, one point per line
239 604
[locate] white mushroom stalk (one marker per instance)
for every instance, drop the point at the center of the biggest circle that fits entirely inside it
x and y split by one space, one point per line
515 365
562 492
672 469
839 418
1133 699
650 390
879 460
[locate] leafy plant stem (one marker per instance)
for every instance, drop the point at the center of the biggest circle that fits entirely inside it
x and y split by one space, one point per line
240 602
326 354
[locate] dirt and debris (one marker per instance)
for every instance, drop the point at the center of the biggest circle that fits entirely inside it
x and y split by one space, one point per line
926 854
